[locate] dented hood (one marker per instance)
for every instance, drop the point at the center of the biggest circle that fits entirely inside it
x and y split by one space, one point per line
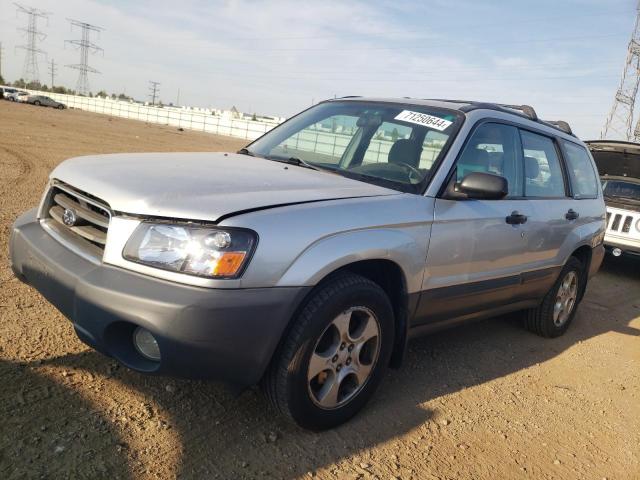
202 186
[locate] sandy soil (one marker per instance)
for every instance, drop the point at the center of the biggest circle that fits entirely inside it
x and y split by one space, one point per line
484 401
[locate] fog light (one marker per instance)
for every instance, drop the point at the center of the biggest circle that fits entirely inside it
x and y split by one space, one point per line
146 344
616 252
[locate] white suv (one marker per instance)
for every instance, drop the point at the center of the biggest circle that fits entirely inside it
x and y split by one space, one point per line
619 166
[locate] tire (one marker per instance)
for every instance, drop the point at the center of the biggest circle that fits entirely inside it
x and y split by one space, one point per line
36 103
545 320
358 305
60 107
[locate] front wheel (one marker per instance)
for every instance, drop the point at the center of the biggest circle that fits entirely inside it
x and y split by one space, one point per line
333 358
60 107
37 103
554 315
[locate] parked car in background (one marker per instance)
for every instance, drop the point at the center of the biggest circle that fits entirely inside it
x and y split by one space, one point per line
17 96
44 101
6 91
619 167
307 260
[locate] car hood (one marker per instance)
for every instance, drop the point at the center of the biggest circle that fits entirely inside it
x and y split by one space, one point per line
202 186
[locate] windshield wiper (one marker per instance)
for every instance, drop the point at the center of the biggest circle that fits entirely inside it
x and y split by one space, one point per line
301 163
298 162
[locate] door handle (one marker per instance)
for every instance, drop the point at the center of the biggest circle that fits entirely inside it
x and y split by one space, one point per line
516 218
571 214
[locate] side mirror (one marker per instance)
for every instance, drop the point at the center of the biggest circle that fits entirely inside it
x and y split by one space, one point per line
485 186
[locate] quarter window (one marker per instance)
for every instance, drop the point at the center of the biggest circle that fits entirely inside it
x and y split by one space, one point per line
493 148
542 170
583 179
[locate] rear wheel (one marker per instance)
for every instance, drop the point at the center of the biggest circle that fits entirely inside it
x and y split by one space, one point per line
333 358
554 315
37 103
60 107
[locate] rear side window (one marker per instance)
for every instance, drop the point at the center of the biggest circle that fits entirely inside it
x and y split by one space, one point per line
583 178
542 170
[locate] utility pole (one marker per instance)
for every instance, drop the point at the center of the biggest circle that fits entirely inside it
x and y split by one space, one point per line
620 119
153 87
52 71
86 46
30 72
1 59
178 99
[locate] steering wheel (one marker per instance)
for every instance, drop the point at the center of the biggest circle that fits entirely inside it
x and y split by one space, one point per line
411 169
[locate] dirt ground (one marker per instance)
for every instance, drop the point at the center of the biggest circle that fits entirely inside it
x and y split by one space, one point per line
485 401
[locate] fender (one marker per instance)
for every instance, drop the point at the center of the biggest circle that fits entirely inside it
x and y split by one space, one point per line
406 246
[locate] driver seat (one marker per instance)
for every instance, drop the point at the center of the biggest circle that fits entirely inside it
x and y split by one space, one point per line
405 151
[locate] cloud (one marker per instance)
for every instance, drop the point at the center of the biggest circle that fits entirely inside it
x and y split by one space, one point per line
276 57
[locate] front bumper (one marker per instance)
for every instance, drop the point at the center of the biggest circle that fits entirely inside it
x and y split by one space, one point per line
223 334
627 245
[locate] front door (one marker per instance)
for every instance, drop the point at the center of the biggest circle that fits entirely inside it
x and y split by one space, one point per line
477 246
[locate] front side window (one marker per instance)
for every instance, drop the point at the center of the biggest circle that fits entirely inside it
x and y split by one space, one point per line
581 173
493 148
389 144
543 173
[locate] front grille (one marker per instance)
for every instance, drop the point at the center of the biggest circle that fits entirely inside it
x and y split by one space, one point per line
87 218
622 223
616 222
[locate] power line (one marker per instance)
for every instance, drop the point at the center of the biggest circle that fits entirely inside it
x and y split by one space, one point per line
445 43
153 87
620 119
86 46
30 71
52 71
468 27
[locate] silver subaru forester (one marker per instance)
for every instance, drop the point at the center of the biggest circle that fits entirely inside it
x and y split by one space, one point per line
305 261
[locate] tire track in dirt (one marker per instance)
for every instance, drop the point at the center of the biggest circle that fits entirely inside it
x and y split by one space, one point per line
25 165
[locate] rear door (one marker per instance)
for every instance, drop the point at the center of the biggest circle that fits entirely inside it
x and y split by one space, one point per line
475 256
546 187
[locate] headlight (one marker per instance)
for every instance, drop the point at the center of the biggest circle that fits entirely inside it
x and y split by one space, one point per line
203 251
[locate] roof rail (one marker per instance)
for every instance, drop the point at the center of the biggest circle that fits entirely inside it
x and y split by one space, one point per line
560 124
528 110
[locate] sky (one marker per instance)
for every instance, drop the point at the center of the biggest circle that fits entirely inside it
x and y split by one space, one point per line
277 57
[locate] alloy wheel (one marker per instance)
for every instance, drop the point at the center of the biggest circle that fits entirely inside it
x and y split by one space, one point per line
344 358
565 298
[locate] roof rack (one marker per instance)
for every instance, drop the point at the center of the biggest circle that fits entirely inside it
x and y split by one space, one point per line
561 124
527 110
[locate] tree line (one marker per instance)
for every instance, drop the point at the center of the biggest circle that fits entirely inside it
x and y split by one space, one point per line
59 89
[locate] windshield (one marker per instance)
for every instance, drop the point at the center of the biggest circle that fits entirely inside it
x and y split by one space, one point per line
621 189
393 145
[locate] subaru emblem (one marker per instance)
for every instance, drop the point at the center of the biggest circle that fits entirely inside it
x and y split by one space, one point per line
69 217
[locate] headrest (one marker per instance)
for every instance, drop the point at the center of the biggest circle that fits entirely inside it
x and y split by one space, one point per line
531 167
405 151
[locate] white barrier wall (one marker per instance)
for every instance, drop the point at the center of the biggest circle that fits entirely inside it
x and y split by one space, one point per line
177 117
320 141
